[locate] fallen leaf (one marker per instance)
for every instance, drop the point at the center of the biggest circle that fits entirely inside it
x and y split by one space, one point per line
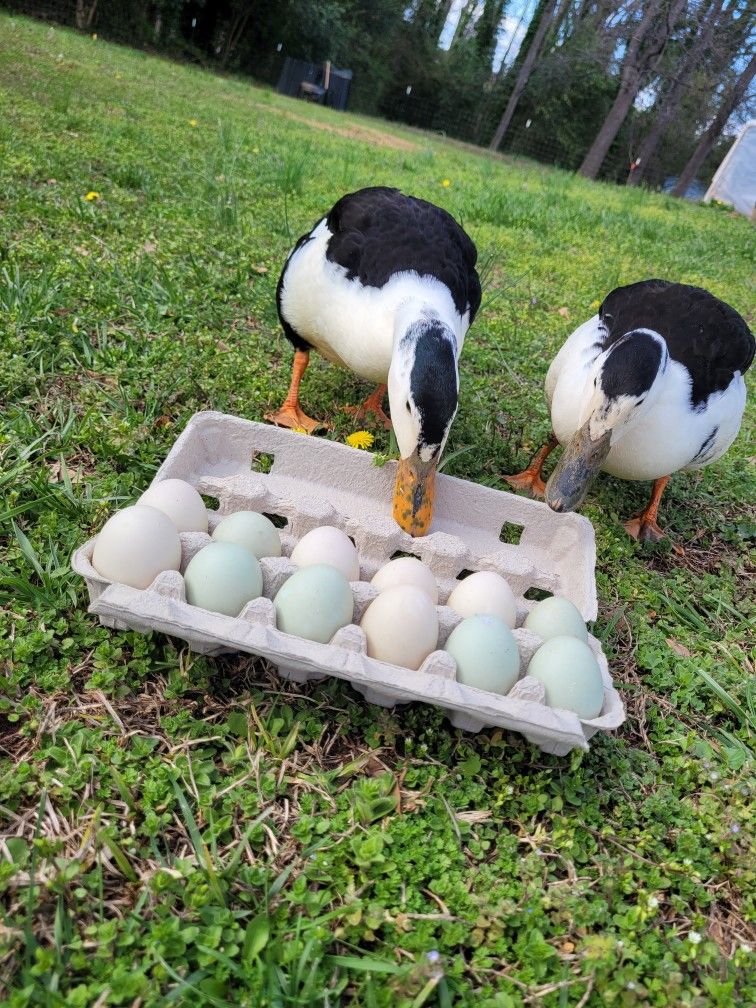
564 312
224 347
259 269
149 246
678 648
567 947
473 816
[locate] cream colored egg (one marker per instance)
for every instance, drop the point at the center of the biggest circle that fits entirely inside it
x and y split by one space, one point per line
401 626
180 501
135 545
570 674
484 593
407 571
556 617
328 545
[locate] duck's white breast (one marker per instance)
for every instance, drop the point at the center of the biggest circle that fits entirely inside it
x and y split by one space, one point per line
348 323
672 435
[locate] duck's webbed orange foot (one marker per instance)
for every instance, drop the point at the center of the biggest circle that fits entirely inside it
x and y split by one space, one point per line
291 413
529 479
644 527
372 405
293 416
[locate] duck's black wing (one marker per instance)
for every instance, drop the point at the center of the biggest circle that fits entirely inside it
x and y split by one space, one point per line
378 232
704 334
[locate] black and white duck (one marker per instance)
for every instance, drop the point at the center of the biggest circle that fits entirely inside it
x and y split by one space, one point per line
385 285
651 385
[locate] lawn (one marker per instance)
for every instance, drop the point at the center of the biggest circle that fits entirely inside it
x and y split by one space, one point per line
192 831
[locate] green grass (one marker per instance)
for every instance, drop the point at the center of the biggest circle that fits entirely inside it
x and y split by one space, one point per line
186 831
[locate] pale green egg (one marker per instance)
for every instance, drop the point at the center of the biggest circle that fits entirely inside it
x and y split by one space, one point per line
223 577
314 603
556 617
486 653
254 531
570 674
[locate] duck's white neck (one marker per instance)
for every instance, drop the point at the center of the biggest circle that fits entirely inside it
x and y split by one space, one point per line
624 384
423 381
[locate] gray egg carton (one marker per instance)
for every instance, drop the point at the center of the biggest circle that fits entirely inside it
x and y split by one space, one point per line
313 481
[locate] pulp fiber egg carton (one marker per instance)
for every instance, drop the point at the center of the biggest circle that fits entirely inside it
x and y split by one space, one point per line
310 481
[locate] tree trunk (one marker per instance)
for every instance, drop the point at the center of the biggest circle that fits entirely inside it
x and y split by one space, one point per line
671 101
525 71
85 14
630 85
730 101
235 33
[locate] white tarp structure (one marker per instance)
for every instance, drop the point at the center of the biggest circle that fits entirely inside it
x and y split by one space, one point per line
735 180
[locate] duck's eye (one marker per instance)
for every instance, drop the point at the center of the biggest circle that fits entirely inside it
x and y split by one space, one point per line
409 408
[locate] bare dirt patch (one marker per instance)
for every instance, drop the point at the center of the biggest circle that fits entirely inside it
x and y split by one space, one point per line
352 132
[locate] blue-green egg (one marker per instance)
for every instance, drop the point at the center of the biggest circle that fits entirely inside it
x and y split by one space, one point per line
314 603
556 617
223 577
486 653
570 674
252 530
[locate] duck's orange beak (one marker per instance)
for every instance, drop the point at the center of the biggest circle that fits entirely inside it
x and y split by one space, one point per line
414 494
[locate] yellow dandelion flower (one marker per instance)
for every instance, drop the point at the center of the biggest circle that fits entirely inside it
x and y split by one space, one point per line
595 304
91 196
299 430
360 439
193 122
445 183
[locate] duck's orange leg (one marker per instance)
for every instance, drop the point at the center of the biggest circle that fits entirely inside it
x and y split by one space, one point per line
530 479
373 404
644 526
291 413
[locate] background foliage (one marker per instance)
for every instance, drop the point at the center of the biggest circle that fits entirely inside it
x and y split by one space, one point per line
462 91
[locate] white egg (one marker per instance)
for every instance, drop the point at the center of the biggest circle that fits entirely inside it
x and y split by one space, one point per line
486 653
252 530
407 571
314 603
401 626
570 674
328 545
556 617
180 501
135 545
222 578
484 593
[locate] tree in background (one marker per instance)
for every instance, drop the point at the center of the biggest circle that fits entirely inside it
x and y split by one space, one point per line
732 96
701 34
546 9
656 21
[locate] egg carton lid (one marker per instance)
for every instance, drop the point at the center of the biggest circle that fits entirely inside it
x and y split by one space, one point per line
312 481
315 481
